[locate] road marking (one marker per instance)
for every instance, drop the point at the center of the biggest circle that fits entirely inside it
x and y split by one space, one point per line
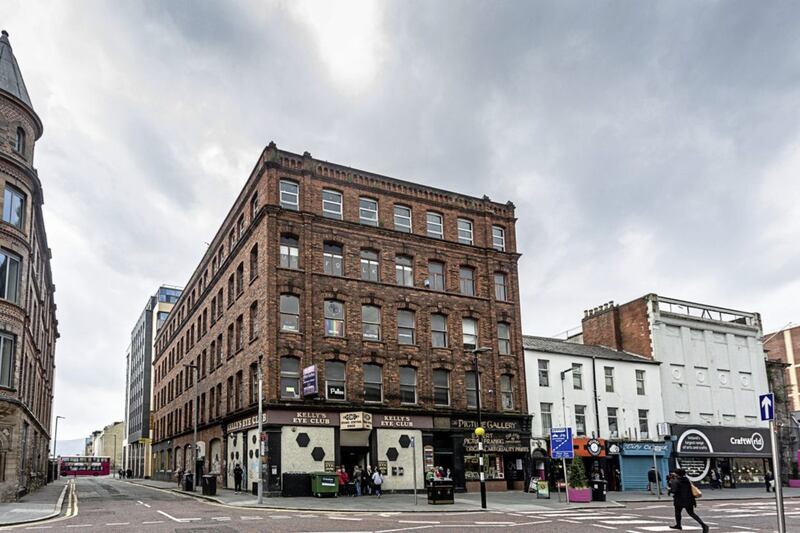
569 521
154 522
147 505
80 525
410 528
252 518
39 527
170 517
653 507
118 524
494 523
221 518
339 518
604 527
517 524
666 528
626 522
417 522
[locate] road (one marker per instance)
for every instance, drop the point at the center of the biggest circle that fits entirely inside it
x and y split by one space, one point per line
105 504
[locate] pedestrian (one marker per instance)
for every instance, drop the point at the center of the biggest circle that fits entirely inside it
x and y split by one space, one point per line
129 473
357 479
683 494
179 475
237 478
714 479
366 475
370 485
769 480
651 480
377 481
343 479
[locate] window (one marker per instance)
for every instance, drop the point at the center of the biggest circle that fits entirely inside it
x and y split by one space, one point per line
334 380
644 425
7 361
253 263
369 265
13 206
471 386
371 322
500 291
290 377
640 382
239 335
608 371
466 279
240 226
441 387
546 410
613 424
577 376
368 211
402 218
19 145
404 269
334 318
498 238
405 327
408 384
469 330
290 252
332 259
332 204
253 384
290 313
464 231
253 207
9 275
436 275
438 331
544 373
253 320
373 383
580 420
434 222
239 279
503 338
290 195
506 393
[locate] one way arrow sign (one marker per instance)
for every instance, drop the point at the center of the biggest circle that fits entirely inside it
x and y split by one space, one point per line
766 404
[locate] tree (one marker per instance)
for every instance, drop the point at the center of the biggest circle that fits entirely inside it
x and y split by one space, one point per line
577 474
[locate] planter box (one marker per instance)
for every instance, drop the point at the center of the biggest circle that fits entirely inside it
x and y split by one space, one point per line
580 495
794 482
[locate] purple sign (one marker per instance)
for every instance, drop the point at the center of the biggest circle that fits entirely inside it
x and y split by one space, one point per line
310 387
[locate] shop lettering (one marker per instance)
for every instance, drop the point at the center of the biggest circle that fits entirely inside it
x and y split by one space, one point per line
397 422
312 419
245 423
459 423
756 441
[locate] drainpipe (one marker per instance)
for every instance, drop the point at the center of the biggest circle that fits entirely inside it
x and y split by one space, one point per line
596 401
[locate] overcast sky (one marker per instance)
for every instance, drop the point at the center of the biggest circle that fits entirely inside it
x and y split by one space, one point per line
648 147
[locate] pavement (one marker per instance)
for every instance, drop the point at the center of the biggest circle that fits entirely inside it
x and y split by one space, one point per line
106 504
39 505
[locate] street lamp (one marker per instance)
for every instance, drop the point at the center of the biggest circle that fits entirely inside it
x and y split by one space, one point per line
480 431
564 408
114 458
260 431
55 445
196 384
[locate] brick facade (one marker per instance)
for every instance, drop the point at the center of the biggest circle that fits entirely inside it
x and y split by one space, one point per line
784 346
621 327
27 317
191 329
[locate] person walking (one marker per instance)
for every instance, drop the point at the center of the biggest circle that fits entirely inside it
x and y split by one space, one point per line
768 480
651 480
683 497
357 479
377 481
237 478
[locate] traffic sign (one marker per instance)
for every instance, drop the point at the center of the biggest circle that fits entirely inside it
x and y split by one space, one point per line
766 404
561 443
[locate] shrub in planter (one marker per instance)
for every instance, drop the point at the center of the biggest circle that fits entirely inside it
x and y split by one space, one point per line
579 490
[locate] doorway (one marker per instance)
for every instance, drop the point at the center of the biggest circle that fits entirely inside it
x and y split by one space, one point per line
352 456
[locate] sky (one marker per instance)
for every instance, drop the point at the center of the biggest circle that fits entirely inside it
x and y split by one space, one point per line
647 146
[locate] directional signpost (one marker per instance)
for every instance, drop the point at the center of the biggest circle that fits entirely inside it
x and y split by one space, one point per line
766 406
561 447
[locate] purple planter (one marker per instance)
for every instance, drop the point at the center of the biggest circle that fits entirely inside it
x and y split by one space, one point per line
794 483
580 495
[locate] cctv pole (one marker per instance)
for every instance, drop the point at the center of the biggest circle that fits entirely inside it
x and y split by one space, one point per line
776 475
55 446
196 386
414 462
658 473
564 408
260 431
479 431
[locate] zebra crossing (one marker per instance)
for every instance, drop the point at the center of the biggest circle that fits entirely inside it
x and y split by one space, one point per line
630 521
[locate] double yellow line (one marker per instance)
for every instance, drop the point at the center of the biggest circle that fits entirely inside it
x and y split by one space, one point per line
72 509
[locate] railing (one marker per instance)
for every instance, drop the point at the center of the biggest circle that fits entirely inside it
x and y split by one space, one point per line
706 312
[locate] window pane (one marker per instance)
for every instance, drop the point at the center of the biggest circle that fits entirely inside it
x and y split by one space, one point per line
436 275
500 286
332 259
408 384
290 312
289 195
544 373
404 271
369 265
13 206
434 225
466 279
332 204
506 393
371 322
6 361
334 380
469 327
368 211
503 338
405 327
441 387
373 383
464 231
471 387
402 218
438 331
498 238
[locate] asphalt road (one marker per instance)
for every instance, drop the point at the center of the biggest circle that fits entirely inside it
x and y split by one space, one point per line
104 504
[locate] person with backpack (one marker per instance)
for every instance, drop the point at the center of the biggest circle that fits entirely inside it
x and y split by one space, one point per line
377 481
685 496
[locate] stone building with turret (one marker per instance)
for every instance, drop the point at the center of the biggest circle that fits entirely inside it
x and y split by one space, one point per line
28 325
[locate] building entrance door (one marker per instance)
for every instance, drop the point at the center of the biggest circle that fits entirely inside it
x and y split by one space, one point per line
352 456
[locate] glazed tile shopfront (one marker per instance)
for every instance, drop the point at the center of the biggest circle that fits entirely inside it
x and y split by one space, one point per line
303 441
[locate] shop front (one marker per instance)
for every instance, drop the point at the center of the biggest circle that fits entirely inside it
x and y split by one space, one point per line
637 459
735 456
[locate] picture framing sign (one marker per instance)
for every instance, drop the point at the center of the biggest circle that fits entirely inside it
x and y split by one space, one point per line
310 381
561 443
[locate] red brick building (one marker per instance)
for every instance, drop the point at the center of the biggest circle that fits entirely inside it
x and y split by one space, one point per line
362 295
28 325
784 346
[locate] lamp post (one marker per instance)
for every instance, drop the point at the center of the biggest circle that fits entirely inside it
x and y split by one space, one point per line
260 431
564 408
114 458
196 385
480 431
55 445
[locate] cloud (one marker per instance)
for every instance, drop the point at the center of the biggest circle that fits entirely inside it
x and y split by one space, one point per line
647 147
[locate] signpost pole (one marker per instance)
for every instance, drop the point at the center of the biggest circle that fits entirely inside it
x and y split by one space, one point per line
776 474
414 461
260 434
566 478
658 472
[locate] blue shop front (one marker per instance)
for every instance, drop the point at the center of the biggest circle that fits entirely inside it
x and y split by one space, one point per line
637 458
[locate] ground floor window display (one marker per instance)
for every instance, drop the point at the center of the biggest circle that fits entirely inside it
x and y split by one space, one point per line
722 457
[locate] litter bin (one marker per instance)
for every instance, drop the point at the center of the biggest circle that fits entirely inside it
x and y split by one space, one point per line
209 485
188 482
440 492
324 484
599 487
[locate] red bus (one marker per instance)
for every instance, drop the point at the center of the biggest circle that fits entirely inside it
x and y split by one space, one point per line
82 465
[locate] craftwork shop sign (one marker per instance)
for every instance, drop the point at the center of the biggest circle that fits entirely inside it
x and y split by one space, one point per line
699 441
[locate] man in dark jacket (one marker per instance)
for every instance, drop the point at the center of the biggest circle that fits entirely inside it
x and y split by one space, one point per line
681 489
237 478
